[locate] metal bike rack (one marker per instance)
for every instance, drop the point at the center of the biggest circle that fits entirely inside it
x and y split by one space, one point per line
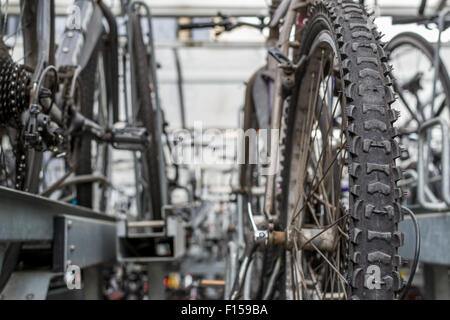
423 135
159 240
423 165
435 223
78 237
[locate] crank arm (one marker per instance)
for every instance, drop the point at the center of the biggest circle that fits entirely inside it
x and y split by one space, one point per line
128 138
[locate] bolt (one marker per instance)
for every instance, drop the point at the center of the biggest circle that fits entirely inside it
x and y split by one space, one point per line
69 224
65 49
72 247
261 234
29 296
69 262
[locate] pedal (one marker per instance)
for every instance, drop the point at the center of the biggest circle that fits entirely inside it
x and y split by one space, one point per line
129 138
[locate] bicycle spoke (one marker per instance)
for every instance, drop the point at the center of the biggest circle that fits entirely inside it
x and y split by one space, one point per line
329 263
300 270
324 230
314 279
320 184
326 171
315 134
318 198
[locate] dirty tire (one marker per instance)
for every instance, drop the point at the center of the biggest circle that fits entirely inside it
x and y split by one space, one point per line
363 80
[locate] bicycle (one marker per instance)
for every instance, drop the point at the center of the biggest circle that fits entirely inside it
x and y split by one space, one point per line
326 225
424 95
60 106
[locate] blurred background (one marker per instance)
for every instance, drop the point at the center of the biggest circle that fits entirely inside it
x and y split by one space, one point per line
204 73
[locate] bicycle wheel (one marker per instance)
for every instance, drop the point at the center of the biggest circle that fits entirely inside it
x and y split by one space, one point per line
412 59
252 183
145 116
339 174
93 157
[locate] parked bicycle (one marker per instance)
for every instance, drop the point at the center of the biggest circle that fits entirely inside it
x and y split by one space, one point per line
60 105
326 225
422 84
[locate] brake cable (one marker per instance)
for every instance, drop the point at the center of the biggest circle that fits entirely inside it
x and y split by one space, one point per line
416 253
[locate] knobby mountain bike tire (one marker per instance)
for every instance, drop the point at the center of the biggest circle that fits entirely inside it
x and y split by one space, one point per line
347 75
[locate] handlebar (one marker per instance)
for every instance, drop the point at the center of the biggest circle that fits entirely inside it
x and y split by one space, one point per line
199 25
414 19
225 22
425 20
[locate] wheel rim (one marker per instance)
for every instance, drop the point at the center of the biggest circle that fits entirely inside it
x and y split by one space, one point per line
318 196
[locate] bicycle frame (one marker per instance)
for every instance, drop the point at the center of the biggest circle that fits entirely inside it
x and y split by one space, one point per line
287 11
73 53
83 33
277 106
